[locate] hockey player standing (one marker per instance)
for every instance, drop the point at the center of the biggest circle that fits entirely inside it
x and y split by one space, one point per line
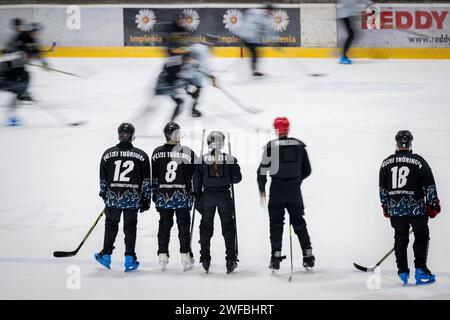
172 170
285 159
409 197
212 183
256 26
347 11
125 186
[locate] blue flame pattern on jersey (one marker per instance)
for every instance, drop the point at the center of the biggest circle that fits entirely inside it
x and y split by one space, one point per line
431 193
147 189
127 200
179 200
407 206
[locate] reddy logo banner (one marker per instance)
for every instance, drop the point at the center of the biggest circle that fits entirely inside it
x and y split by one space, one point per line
402 26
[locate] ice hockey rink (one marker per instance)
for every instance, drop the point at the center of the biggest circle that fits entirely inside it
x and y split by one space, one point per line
348 119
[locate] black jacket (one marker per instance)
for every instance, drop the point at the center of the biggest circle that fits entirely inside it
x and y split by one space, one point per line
406 184
125 177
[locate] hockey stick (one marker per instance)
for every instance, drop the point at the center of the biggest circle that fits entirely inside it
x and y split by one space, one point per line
64 254
59 117
234 204
301 66
52 48
196 203
372 268
238 102
55 70
290 245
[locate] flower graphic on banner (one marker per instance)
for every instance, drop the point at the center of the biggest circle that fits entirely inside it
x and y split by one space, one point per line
145 20
280 20
232 20
192 19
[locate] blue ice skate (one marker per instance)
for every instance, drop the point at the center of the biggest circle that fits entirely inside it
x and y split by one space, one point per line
131 263
404 276
13 121
345 60
424 276
104 260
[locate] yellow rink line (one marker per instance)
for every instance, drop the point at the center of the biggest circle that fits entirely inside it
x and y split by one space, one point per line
234 52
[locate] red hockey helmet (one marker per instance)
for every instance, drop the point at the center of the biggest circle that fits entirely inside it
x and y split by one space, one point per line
281 125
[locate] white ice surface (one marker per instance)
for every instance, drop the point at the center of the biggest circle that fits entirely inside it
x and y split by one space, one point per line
49 177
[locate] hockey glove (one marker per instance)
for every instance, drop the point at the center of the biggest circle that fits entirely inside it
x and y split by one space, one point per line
385 212
434 209
145 205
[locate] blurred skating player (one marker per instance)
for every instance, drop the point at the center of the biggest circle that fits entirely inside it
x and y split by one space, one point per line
13 78
409 197
172 81
17 26
28 41
257 25
125 187
172 171
175 36
285 159
347 13
212 183
197 69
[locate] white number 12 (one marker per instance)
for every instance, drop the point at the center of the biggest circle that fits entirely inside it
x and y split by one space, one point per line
127 165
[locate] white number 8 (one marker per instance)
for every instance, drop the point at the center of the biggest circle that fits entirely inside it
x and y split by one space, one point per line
171 173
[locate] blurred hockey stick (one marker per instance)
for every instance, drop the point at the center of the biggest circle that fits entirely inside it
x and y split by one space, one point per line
59 117
237 102
53 69
299 65
64 254
372 268
51 49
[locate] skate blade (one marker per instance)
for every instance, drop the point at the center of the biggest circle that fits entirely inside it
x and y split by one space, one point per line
423 283
309 270
163 267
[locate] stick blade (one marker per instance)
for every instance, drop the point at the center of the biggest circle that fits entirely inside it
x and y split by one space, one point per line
363 269
63 254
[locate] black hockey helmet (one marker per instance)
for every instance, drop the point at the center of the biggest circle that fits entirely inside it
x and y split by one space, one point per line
172 132
126 132
16 22
215 140
404 139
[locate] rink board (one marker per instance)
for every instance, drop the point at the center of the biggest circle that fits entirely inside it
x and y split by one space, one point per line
268 52
306 30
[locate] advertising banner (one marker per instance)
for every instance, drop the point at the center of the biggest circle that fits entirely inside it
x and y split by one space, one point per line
145 26
402 26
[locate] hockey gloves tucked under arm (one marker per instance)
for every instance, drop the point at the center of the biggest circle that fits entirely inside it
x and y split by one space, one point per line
385 212
434 209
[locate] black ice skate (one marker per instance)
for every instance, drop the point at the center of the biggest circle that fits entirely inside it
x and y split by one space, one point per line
275 260
196 113
308 260
231 265
205 265
258 74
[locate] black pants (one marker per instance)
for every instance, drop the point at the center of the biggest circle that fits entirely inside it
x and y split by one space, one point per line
401 226
276 216
348 24
112 227
165 225
177 110
253 48
208 210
